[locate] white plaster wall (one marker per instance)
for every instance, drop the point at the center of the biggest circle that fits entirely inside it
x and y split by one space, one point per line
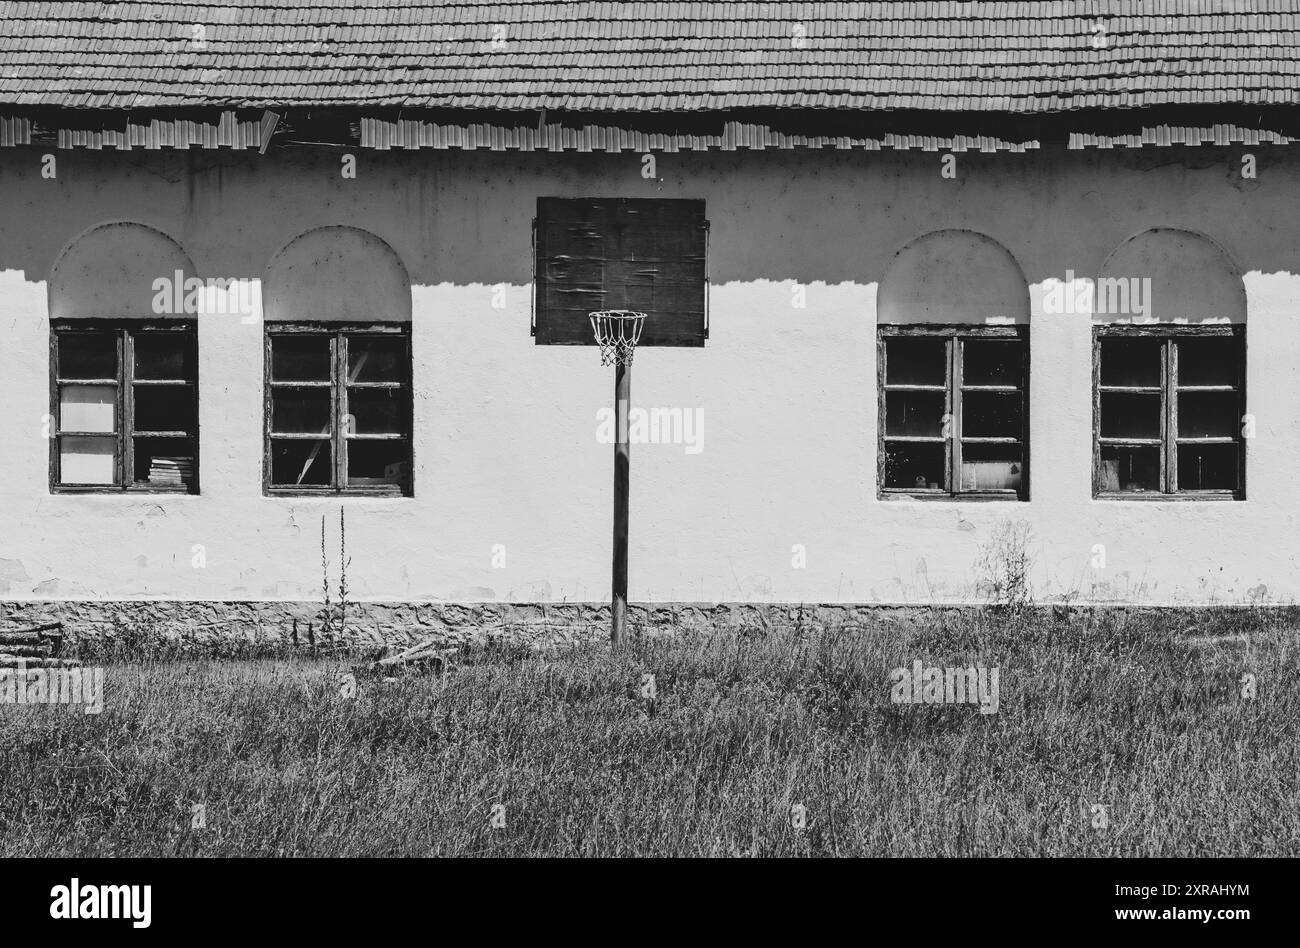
505 431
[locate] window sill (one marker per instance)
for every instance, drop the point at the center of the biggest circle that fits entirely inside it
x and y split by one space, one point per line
146 491
331 492
1156 496
941 496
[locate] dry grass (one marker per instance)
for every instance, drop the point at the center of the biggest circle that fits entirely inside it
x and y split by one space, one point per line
1103 708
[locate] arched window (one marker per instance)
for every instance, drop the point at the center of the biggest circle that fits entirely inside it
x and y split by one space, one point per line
953 370
1169 357
338 366
124 364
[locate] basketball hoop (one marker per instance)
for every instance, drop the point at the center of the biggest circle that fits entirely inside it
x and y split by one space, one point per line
617 332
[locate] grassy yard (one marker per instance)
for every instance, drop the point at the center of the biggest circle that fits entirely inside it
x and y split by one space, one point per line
1101 709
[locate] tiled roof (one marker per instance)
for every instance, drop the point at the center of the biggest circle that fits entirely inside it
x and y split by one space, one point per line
227 130
651 56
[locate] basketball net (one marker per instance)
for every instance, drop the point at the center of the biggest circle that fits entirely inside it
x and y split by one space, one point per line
617 332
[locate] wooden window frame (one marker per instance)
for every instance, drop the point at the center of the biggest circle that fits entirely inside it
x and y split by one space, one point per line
955 335
338 385
125 331
1168 440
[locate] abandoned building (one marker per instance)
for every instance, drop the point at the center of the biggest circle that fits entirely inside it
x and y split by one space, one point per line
925 288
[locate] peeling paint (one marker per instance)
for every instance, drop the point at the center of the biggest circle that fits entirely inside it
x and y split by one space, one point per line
11 571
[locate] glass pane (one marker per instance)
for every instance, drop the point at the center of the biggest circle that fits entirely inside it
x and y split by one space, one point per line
1130 361
377 359
164 462
1208 415
992 467
87 460
1207 466
301 462
165 355
1211 361
990 415
379 462
301 411
1124 415
1125 468
87 355
991 362
300 358
914 413
88 408
916 361
914 465
377 411
164 408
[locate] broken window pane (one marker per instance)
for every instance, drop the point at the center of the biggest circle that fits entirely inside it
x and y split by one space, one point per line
991 466
301 411
303 358
1129 415
376 359
88 408
1130 468
373 395
1208 415
990 414
915 414
87 460
1207 466
1131 362
914 465
301 462
87 355
921 361
991 362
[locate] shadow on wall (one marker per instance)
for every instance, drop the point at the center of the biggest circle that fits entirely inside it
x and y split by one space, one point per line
953 276
465 218
125 269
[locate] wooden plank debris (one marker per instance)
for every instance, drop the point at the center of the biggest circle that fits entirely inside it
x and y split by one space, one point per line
430 654
36 646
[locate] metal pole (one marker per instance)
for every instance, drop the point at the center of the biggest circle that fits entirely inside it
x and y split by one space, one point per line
622 463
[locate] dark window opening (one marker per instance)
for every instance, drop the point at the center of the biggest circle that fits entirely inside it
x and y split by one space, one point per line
953 411
1169 411
339 410
125 407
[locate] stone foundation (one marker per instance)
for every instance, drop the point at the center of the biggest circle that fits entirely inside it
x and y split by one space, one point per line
208 626
392 624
